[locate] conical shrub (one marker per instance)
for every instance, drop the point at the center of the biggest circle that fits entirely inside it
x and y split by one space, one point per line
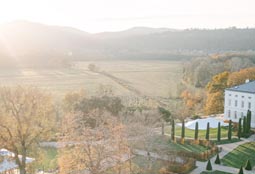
217 161
209 165
241 170
248 165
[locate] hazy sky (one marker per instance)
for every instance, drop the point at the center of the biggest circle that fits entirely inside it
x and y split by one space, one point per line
112 15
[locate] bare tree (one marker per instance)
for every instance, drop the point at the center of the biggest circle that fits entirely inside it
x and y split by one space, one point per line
26 116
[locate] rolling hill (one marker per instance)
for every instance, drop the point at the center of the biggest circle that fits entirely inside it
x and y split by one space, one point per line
34 44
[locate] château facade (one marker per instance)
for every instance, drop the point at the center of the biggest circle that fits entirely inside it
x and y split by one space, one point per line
238 100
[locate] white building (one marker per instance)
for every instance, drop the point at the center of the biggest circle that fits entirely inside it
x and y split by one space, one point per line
238 100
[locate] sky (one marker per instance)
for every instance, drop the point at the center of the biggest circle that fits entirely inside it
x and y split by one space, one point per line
114 15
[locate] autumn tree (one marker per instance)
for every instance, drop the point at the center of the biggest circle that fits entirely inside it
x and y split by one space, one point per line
239 77
26 117
193 99
165 117
92 149
215 93
97 136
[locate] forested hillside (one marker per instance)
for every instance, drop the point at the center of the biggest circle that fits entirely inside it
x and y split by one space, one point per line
44 45
199 71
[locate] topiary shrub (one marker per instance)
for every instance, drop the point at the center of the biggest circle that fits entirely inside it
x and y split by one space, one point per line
209 165
241 170
217 161
248 165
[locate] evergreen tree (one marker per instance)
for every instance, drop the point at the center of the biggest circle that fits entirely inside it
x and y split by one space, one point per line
207 131
183 129
209 165
239 128
173 131
244 126
196 131
219 132
230 130
217 161
248 127
241 170
248 165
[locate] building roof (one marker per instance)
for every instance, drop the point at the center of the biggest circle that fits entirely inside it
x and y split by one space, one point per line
246 87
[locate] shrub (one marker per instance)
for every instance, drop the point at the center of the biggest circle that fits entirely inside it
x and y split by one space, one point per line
248 165
217 161
173 131
248 127
207 131
239 128
219 132
230 130
241 170
196 131
209 165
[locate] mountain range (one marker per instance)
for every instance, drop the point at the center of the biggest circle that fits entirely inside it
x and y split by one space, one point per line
29 43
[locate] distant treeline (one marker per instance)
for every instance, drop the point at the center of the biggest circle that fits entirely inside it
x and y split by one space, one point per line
199 71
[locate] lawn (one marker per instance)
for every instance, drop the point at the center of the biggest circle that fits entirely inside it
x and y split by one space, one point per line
163 144
201 134
46 159
240 155
215 172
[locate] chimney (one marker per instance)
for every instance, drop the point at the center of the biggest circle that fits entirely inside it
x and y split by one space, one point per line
247 81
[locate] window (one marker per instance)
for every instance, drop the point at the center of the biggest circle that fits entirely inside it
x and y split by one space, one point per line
229 94
249 105
235 102
235 114
242 96
249 97
236 95
229 112
242 104
229 102
241 114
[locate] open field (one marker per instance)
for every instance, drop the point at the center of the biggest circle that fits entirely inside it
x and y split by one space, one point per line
150 78
240 155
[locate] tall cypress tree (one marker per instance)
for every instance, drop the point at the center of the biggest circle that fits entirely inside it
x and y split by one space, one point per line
239 134
230 130
183 129
248 127
196 131
244 125
219 132
207 131
173 130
